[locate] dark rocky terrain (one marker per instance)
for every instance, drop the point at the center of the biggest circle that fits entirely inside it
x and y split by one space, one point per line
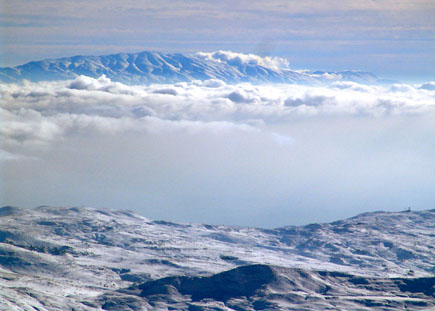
262 287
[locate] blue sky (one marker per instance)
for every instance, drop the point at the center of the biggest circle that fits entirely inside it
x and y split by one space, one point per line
394 39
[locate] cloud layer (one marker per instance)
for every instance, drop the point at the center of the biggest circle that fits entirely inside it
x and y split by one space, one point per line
42 111
212 152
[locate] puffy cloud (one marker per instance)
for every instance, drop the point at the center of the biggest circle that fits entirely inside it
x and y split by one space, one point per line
103 84
240 96
167 91
238 59
47 110
430 86
401 88
354 86
212 83
307 100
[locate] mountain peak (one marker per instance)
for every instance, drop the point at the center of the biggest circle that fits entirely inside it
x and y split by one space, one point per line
156 67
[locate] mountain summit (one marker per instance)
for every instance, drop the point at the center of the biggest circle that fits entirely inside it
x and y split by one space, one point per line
156 67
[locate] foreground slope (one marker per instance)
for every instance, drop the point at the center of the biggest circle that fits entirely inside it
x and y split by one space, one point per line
262 287
156 67
85 258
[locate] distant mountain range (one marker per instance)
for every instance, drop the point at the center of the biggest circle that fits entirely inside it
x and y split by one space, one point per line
157 67
60 258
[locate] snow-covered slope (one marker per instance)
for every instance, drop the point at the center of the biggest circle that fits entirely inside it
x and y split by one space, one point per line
156 67
85 258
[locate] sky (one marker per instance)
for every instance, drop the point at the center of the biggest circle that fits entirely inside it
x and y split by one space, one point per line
212 152
392 38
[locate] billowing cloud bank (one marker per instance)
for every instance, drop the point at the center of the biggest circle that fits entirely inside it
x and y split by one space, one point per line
243 154
41 112
237 59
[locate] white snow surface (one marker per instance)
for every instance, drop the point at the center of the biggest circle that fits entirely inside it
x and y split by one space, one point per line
158 67
58 258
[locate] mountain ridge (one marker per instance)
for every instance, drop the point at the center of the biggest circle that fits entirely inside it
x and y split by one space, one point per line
90 258
156 67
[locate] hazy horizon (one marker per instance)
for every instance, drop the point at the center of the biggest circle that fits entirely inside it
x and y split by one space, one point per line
216 152
212 152
393 38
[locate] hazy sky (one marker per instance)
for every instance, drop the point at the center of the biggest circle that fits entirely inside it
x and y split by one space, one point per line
393 38
216 153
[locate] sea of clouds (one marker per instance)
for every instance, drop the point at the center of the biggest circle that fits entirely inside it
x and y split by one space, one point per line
208 151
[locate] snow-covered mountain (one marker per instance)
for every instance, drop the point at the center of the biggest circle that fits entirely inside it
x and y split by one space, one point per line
91 259
156 67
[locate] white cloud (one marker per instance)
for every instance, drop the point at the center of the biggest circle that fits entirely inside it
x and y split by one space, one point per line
246 59
211 152
430 86
45 111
